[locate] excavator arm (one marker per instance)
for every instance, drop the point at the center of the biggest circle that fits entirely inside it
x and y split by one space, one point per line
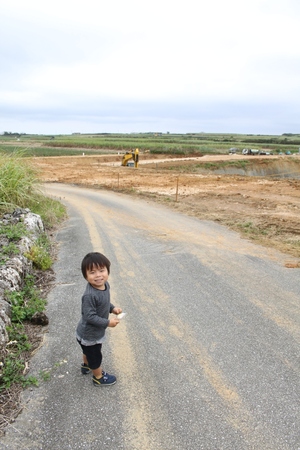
128 156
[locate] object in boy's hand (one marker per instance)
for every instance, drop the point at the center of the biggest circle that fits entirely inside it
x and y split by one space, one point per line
121 315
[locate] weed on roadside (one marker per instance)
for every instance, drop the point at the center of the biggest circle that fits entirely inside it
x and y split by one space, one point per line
45 374
14 366
39 253
14 232
249 228
26 302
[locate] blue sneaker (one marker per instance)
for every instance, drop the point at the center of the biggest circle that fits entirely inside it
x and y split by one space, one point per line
85 369
105 380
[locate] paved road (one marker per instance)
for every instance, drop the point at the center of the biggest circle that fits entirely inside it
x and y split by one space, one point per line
206 358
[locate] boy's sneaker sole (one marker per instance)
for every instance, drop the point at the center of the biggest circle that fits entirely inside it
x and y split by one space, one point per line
105 380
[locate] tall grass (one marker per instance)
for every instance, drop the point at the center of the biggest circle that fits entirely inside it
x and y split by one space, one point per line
18 181
20 187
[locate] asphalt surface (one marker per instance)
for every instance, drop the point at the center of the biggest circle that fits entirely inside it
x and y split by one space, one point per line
206 358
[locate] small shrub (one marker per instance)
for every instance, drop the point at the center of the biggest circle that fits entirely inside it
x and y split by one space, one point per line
39 253
13 367
14 232
7 251
40 257
25 303
10 249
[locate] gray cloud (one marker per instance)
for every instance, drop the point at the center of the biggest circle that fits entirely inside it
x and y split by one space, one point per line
101 67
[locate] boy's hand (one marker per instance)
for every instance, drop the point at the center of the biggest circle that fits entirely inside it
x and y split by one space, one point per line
113 322
117 311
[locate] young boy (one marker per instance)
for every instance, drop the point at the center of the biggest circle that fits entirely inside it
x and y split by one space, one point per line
95 309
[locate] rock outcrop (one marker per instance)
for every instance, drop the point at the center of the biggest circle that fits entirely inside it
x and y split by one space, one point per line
13 271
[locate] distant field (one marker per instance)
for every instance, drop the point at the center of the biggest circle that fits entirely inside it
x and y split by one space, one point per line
163 143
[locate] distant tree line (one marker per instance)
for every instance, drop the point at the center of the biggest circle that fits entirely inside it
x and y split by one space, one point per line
10 134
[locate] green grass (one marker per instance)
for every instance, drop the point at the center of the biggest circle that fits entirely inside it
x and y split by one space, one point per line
251 230
198 167
24 304
15 364
180 144
20 187
32 151
39 253
13 232
18 182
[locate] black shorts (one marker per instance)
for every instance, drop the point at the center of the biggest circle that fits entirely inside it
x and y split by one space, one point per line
93 354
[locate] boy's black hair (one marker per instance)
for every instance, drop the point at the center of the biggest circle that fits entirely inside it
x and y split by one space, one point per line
94 259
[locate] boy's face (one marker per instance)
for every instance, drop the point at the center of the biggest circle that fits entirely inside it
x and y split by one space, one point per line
97 277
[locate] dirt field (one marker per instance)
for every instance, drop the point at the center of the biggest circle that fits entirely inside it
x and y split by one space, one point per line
263 208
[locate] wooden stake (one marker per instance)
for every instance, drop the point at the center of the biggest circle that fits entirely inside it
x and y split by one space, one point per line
177 188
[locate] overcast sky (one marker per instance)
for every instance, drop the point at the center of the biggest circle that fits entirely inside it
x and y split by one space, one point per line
163 65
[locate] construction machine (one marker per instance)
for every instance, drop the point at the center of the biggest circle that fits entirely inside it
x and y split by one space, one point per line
134 155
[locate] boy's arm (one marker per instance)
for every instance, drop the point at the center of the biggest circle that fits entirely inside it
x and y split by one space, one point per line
116 310
89 311
113 322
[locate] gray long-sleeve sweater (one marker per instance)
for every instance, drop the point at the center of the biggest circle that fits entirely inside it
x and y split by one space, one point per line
95 309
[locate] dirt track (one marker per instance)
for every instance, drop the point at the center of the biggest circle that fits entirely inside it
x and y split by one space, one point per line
262 208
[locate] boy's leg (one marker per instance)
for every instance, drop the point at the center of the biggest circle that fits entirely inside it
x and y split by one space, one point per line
98 373
85 365
101 378
92 356
85 370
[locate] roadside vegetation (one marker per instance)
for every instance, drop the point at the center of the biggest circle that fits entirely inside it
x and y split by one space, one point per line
20 188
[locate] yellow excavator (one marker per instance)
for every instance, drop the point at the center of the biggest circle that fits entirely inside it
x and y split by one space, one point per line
126 160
